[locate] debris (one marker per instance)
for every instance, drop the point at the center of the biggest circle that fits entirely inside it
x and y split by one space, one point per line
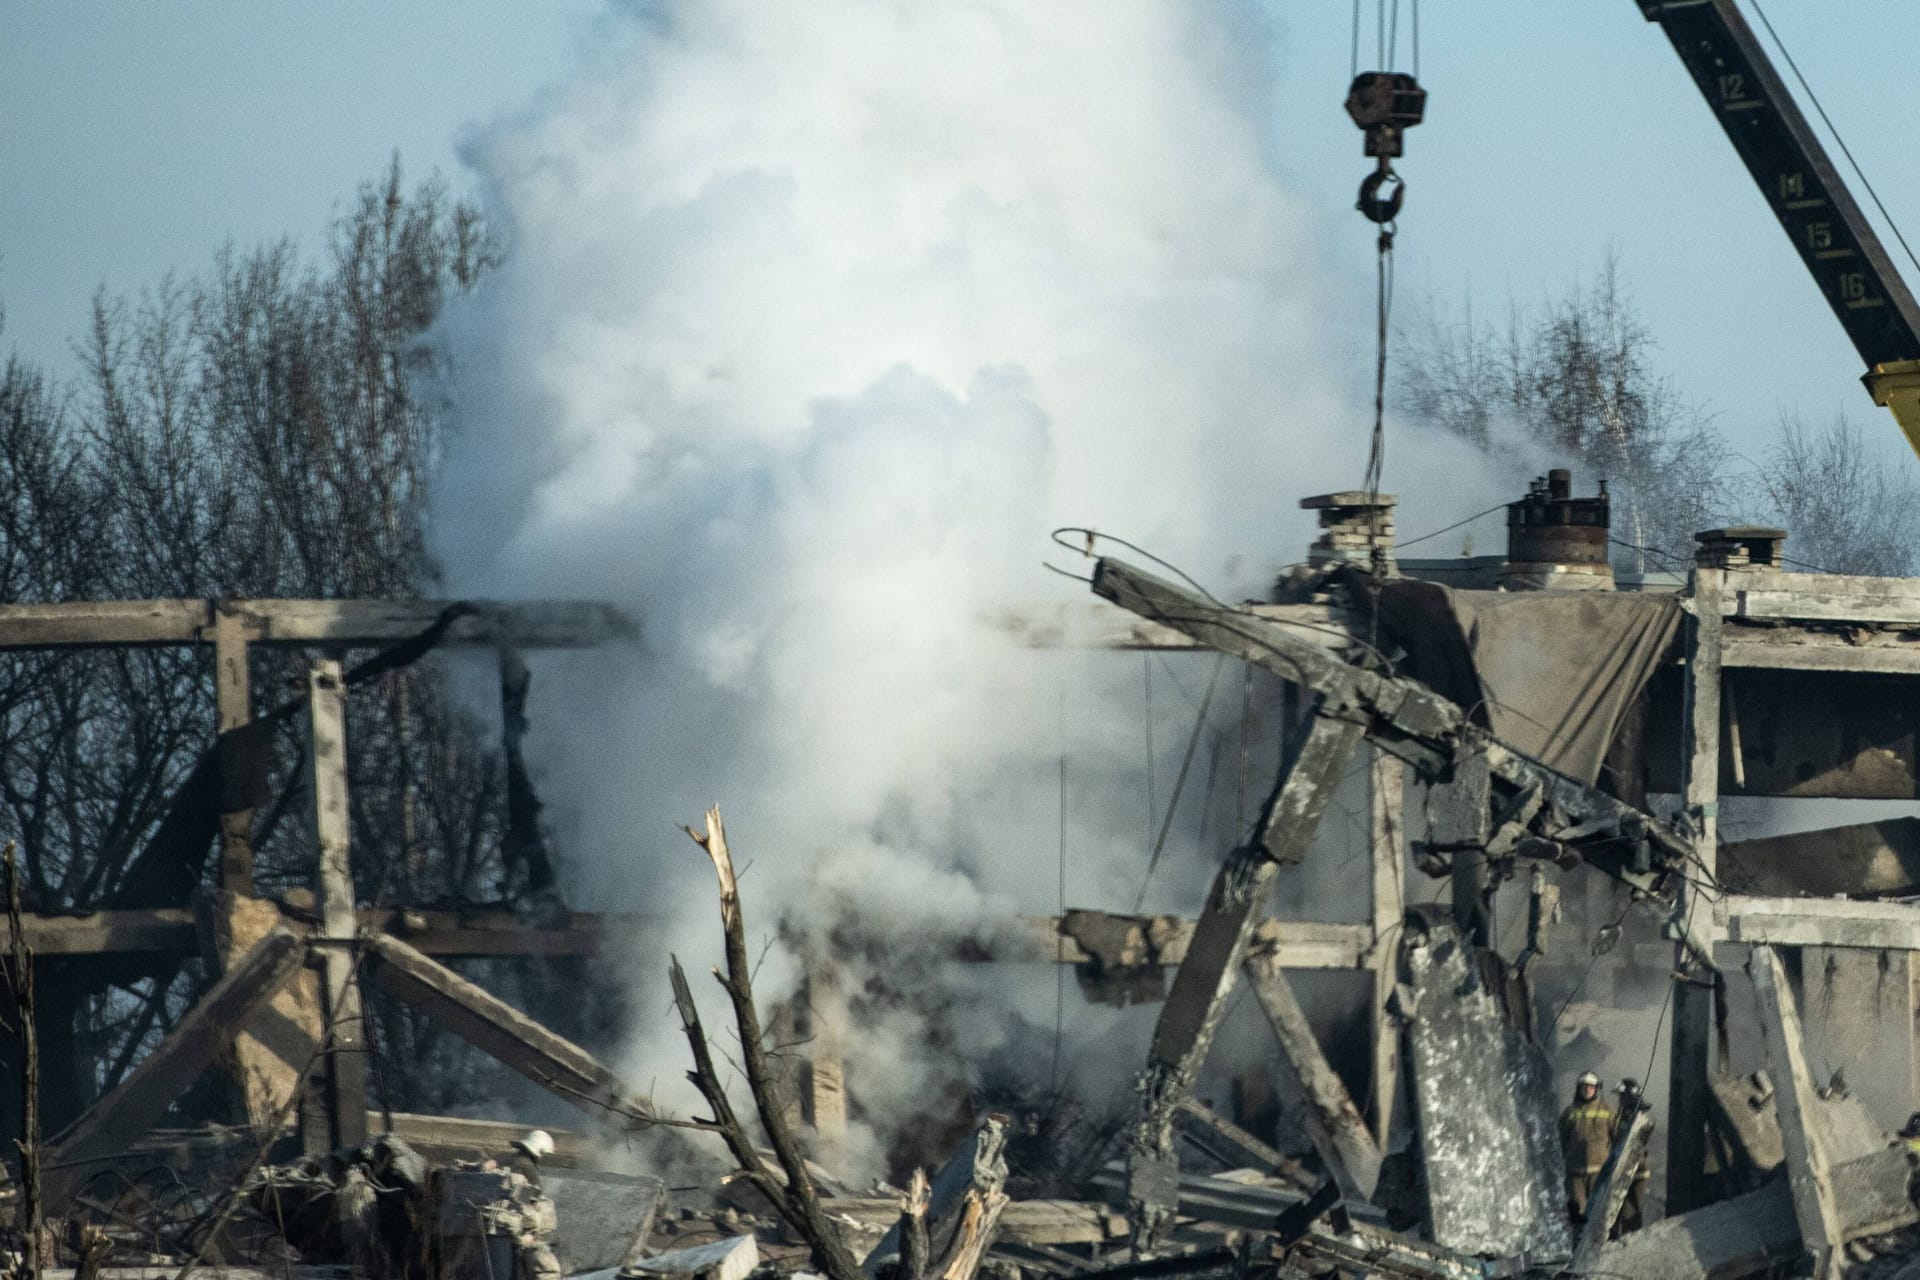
1483 1102
733 1259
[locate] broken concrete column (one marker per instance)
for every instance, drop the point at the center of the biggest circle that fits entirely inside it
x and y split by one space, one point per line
1858 1018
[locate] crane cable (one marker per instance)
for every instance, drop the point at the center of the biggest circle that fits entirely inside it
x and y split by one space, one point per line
1387 43
1845 150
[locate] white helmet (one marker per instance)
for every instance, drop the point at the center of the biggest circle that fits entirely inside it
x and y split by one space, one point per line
538 1144
1586 1077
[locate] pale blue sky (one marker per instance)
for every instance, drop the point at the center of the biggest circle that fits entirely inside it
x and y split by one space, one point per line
136 137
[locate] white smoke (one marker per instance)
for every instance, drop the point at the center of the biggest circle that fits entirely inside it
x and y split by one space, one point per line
815 319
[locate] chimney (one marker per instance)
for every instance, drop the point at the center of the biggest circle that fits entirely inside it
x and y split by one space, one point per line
1350 524
1557 540
1746 546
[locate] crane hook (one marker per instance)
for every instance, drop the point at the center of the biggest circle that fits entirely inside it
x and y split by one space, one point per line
1378 208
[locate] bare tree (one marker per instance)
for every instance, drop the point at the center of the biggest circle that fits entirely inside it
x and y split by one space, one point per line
1846 508
253 431
1579 379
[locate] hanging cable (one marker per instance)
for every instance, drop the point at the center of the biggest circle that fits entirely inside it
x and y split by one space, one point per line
1353 61
1060 900
1179 783
1246 715
1377 450
1384 104
1845 150
1146 665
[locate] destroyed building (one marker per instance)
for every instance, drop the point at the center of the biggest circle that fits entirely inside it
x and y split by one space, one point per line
1554 764
1544 743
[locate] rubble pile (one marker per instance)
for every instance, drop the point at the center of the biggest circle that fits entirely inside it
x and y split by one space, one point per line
1428 1138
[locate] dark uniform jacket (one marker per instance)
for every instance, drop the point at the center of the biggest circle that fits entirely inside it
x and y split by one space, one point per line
1586 1136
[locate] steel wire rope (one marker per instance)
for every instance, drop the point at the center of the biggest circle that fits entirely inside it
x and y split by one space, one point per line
1653 1050
1060 897
1179 783
1146 666
1845 150
1353 61
1401 546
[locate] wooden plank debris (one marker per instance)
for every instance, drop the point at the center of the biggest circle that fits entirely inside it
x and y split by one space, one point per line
1815 1208
168 931
499 1030
1312 1090
448 1138
112 1124
1095 627
233 707
1043 1222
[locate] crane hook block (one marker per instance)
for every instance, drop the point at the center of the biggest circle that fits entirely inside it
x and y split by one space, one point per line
1385 104
1378 208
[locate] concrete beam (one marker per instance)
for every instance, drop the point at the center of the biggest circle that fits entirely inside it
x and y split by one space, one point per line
1312 1090
497 1029
1818 922
111 1125
560 624
1797 1101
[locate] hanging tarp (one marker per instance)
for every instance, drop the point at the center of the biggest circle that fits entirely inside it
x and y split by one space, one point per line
1552 673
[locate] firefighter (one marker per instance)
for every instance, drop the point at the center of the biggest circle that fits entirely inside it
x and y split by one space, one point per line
1909 1136
1586 1135
1633 1209
527 1153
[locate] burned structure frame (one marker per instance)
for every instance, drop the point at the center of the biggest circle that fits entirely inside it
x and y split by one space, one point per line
284 1017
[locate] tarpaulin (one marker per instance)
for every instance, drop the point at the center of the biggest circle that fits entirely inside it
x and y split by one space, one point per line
1551 673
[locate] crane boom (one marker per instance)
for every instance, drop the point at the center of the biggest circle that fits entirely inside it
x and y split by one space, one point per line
1818 213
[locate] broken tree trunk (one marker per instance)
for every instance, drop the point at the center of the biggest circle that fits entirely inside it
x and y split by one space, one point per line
110 1126
912 1227
830 1252
497 1029
1312 1089
1797 1103
1198 999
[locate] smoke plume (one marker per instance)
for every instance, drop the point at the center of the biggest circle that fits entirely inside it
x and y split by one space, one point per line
814 320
